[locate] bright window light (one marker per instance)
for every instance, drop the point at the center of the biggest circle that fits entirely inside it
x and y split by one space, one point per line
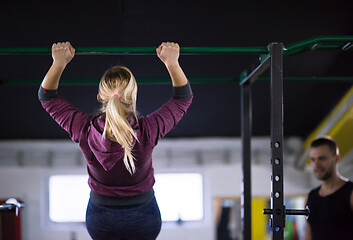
179 196
68 198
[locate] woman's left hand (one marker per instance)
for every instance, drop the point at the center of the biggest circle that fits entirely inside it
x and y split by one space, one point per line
168 52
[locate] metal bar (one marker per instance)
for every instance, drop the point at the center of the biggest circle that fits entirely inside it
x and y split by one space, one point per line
134 50
246 123
330 42
312 79
22 81
336 42
249 79
289 211
7 207
297 212
348 46
278 218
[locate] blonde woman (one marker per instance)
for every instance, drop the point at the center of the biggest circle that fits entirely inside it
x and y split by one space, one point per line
118 144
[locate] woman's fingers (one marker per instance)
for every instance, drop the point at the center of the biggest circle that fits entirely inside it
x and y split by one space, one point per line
63 52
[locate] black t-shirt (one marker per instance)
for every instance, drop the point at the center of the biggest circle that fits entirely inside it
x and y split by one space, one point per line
331 216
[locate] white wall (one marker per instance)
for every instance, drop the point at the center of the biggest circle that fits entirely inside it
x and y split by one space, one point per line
218 160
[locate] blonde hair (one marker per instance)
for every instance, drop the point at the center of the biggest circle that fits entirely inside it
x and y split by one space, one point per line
118 93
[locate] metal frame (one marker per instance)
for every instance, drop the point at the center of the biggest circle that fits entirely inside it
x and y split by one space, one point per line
278 219
278 211
246 125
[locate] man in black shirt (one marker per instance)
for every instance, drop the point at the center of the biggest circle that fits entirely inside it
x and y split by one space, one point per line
331 204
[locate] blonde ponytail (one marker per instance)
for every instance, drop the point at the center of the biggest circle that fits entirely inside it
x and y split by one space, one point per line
118 92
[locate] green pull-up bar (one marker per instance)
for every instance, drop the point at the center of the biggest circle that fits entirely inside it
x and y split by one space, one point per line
317 43
135 50
30 81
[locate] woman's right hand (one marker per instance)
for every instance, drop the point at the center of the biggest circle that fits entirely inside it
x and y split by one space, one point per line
168 52
62 53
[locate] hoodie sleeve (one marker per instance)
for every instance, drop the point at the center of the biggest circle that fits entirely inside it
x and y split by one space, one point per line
160 122
65 114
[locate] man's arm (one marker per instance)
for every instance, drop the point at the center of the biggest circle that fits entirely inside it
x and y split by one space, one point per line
307 231
351 201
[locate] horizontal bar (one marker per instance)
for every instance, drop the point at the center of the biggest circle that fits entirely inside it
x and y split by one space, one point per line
269 211
305 212
311 79
23 81
133 50
317 43
7 207
291 49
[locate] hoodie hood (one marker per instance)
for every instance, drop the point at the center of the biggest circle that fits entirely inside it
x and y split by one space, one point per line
107 152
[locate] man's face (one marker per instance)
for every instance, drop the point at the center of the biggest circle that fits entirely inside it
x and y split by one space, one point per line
323 162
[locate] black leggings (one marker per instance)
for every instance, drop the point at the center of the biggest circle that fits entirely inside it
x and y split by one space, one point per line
123 222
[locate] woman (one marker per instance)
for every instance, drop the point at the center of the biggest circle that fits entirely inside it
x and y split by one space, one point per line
117 144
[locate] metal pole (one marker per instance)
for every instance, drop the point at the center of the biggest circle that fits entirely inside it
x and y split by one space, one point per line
278 216
246 122
261 68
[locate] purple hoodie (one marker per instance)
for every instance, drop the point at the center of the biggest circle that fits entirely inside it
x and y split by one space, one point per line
107 173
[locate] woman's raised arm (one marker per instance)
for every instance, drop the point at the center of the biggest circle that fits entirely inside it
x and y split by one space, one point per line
62 54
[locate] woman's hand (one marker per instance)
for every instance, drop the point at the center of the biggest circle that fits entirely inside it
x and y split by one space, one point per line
169 52
62 53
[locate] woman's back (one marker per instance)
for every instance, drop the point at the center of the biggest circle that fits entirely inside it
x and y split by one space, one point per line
117 145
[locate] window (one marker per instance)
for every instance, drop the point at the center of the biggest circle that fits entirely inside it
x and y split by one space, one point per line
68 198
179 196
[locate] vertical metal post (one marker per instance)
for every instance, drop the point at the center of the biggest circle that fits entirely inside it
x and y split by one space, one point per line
246 123
278 216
